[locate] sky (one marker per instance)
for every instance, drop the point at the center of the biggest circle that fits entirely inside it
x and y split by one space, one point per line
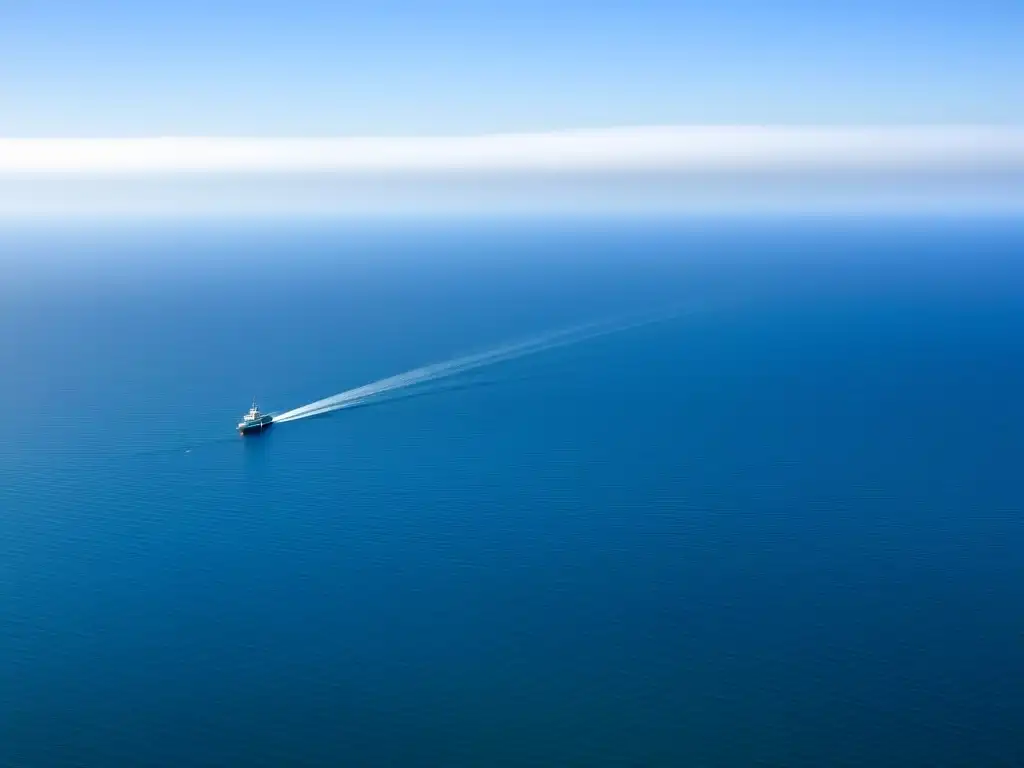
386 68
450 70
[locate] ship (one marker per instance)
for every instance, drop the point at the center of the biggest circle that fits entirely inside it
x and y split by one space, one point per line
254 421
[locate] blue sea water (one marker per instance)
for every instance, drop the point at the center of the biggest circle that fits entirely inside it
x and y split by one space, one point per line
783 528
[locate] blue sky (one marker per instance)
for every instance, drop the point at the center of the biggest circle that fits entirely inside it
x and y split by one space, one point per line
423 82
385 68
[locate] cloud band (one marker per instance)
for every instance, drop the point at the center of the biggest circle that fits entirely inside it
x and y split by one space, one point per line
689 149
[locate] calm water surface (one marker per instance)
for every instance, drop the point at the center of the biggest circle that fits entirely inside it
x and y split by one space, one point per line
783 529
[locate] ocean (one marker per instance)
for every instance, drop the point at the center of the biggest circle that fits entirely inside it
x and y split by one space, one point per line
781 526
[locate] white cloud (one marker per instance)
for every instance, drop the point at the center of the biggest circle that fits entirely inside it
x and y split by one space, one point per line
664 169
659 149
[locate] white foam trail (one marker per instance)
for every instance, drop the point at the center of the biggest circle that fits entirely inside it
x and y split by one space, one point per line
463 364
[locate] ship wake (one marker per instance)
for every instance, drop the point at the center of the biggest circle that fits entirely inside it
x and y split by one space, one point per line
472 362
